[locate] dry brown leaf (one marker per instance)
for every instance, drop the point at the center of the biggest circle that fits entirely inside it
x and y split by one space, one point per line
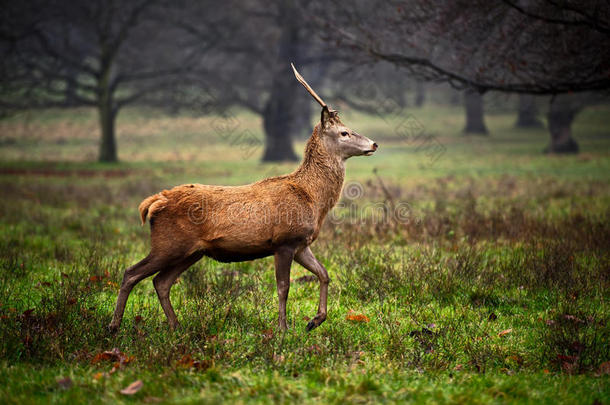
132 388
267 334
185 361
505 332
114 355
354 317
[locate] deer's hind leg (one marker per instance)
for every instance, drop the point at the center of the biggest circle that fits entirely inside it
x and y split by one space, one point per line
163 283
307 259
146 267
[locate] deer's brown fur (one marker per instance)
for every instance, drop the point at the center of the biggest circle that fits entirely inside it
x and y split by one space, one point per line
278 216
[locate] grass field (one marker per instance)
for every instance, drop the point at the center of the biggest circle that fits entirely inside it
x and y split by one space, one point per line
464 269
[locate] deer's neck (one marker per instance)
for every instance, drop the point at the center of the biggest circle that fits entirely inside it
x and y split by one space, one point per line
321 174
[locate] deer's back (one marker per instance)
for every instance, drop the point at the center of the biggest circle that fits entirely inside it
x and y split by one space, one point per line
234 223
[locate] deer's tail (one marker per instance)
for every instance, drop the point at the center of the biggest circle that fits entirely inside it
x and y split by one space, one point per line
150 205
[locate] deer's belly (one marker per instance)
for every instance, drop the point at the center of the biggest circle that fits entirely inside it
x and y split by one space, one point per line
234 251
236 248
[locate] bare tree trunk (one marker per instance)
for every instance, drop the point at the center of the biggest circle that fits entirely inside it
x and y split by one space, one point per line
107 115
561 115
473 103
108 150
420 94
279 117
277 124
528 112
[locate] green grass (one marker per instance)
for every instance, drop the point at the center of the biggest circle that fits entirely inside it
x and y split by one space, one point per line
493 236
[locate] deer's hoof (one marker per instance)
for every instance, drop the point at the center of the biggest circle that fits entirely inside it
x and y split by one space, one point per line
112 328
311 325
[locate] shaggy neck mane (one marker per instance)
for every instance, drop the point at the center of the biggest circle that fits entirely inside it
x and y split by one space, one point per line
321 174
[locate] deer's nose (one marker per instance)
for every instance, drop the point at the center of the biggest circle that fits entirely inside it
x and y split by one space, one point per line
375 146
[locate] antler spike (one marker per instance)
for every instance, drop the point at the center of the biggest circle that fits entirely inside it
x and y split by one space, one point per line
308 87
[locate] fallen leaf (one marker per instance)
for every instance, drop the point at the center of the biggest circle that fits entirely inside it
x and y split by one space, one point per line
202 365
115 367
114 355
267 335
64 383
137 319
458 367
185 361
354 317
132 388
27 313
98 376
504 332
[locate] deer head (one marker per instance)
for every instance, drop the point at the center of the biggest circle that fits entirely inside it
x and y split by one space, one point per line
337 138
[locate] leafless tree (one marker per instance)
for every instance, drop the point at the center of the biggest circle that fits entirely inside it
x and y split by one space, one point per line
534 47
103 54
255 70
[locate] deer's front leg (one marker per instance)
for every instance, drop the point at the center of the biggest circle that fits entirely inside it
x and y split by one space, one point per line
283 261
306 259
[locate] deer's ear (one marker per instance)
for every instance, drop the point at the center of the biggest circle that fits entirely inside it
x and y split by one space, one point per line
328 117
325 117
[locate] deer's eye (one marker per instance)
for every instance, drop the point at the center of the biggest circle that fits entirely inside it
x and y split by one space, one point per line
344 133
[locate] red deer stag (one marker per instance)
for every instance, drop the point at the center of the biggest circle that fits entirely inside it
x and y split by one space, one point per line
279 216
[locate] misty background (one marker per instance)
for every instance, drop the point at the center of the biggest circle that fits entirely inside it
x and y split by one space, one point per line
545 61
